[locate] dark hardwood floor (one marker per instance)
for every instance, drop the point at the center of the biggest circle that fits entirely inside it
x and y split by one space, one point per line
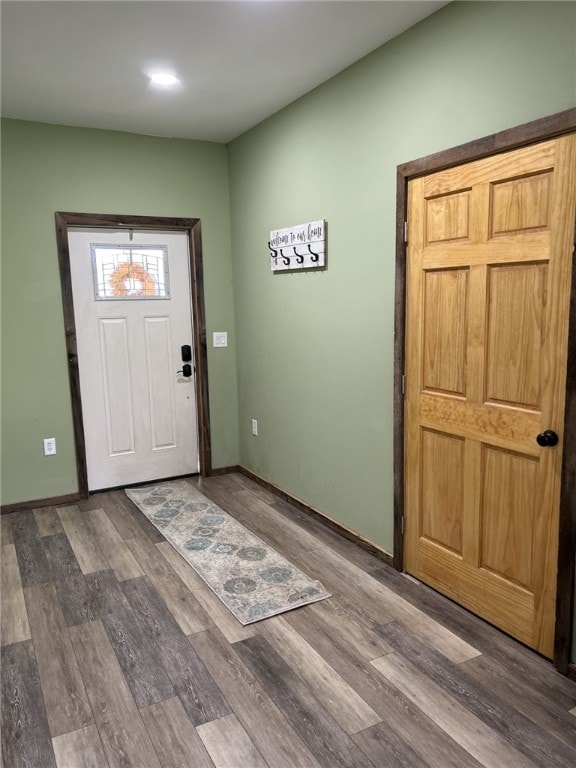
115 654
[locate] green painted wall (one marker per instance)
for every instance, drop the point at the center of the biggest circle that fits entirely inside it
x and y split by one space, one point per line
315 350
47 168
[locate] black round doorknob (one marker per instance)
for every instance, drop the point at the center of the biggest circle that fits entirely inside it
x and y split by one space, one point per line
547 439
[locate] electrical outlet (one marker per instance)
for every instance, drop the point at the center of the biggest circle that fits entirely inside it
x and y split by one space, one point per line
254 427
49 446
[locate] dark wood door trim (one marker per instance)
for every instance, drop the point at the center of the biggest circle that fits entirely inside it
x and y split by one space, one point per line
530 133
65 220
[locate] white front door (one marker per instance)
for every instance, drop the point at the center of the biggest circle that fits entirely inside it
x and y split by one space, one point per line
133 314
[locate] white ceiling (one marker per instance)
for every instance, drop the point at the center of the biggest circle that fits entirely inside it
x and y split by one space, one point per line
85 63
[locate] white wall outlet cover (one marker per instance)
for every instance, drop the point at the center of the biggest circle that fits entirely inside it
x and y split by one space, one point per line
220 339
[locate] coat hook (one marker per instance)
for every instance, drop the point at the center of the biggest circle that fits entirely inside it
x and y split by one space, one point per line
315 256
299 257
286 258
274 253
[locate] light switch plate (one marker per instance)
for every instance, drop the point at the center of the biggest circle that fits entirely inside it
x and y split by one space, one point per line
220 339
49 446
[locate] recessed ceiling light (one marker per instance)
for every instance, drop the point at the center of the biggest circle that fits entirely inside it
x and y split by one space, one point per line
163 78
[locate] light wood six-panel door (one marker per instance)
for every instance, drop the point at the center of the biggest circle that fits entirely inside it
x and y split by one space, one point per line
488 290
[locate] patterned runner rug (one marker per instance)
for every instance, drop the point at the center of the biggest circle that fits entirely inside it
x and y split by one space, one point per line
250 578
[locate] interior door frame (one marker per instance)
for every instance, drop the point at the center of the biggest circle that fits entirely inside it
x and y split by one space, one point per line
65 220
534 132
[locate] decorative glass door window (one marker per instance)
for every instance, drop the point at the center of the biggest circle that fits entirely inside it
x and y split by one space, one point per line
130 272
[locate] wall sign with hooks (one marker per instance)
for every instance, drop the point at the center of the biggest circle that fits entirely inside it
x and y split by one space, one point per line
300 247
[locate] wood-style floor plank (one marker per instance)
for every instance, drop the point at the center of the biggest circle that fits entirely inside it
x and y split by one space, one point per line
124 738
386 748
435 634
326 535
145 675
174 737
31 558
327 741
14 626
408 722
521 732
487 746
67 705
47 521
88 553
201 697
257 510
73 591
128 519
496 677
348 599
180 601
119 557
345 705
26 739
226 622
80 749
521 662
234 482
6 536
360 634
279 744
229 745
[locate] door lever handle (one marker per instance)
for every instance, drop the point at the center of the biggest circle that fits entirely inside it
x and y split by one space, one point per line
186 371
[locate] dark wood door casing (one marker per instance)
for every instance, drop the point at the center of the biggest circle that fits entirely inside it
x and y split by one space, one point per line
65 220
